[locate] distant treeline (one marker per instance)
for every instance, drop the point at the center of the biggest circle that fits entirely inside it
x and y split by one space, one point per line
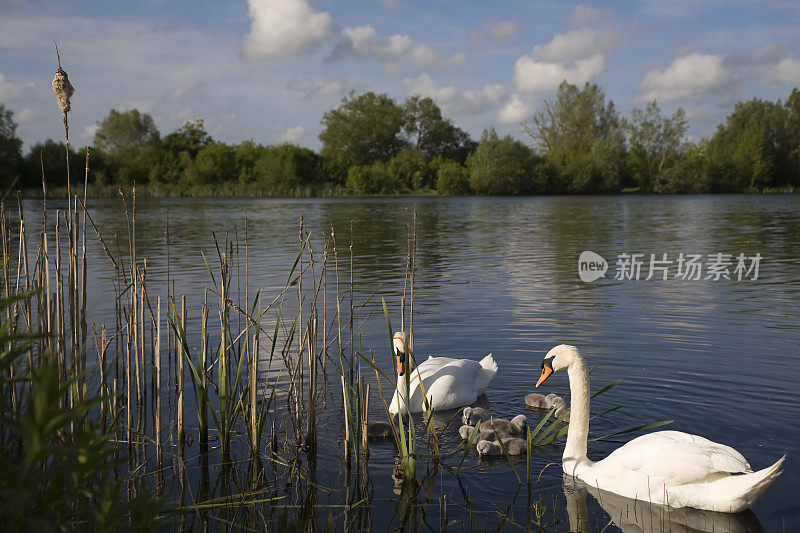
372 144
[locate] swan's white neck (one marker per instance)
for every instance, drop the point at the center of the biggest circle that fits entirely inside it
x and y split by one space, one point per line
575 449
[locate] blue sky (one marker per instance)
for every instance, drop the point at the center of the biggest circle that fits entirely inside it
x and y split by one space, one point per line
267 70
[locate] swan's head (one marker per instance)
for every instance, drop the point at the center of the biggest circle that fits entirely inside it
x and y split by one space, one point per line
399 343
557 359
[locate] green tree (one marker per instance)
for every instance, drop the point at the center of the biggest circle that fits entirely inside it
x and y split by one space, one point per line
363 130
216 162
753 148
431 133
245 156
452 178
179 150
574 121
371 179
190 137
125 134
50 157
10 149
502 166
284 167
792 107
752 158
410 170
582 138
656 143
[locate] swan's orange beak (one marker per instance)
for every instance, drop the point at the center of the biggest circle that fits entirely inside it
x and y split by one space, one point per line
400 365
546 371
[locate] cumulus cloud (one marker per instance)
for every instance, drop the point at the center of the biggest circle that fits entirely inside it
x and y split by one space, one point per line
494 32
689 77
576 56
362 42
454 101
312 88
11 91
283 28
291 135
787 70
515 110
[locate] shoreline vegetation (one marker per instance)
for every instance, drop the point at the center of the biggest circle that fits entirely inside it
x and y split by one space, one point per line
375 146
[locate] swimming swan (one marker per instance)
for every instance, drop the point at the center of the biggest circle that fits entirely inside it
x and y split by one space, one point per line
666 467
448 383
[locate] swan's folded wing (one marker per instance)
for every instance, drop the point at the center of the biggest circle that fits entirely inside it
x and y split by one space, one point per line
676 457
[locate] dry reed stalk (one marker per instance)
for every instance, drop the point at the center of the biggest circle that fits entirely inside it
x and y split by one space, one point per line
251 383
338 298
352 338
157 382
84 267
183 342
141 335
64 90
222 369
103 385
411 304
58 315
346 408
324 277
365 422
203 371
128 386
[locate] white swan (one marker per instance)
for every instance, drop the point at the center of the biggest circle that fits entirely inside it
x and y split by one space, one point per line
448 383
666 467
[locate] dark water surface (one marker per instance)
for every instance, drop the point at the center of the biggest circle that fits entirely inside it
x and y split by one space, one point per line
719 357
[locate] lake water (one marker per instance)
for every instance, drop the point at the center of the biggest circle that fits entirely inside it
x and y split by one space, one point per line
500 275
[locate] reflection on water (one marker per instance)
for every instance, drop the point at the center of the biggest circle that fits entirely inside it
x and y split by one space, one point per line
499 275
634 516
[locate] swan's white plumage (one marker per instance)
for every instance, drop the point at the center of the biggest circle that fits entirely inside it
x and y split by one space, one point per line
448 383
666 467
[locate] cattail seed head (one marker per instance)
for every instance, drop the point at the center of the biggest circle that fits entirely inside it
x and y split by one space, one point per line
63 90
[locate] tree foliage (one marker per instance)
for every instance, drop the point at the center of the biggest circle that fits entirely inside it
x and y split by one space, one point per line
124 134
363 130
10 148
574 121
656 143
431 133
502 166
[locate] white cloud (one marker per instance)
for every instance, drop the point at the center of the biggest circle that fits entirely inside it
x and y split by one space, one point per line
689 77
576 56
454 101
515 110
494 32
362 42
787 70
283 28
291 135
11 91
531 75
313 88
